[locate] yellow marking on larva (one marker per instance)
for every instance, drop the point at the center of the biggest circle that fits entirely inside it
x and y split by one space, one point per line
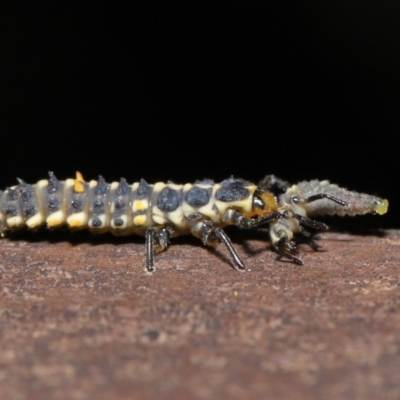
159 186
43 183
15 221
114 185
209 211
140 205
77 220
69 183
35 221
139 220
176 217
56 218
158 219
79 186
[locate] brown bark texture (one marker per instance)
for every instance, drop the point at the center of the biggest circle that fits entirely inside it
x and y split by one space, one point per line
80 319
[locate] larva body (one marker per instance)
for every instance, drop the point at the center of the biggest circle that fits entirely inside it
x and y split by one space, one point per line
163 210
121 208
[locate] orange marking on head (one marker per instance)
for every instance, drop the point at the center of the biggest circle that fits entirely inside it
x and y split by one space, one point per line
270 202
270 205
79 186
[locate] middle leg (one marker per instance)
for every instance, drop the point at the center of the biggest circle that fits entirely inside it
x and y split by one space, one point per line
211 236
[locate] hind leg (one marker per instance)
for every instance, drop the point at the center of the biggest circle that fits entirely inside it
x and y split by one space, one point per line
156 241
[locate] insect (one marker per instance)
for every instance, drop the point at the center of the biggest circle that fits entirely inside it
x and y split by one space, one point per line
163 210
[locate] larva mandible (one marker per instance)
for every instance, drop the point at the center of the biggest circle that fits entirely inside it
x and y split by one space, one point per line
164 210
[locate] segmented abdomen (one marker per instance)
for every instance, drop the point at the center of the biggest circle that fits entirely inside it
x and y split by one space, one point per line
358 203
119 207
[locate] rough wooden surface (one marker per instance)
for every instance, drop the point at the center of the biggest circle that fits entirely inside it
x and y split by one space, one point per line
80 319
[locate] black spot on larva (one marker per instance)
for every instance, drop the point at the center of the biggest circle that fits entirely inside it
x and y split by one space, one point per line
25 190
142 189
101 187
119 204
29 210
235 181
98 205
27 195
12 194
168 200
96 222
22 185
76 203
118 221
197 197
54 203
10 210
123 188
53 184
232 190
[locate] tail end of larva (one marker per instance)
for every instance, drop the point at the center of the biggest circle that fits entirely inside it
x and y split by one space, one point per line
381 207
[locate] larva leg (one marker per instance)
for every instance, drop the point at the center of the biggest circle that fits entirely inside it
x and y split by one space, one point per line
308 238
161 239
320 196
286 248
224 238
235 217
156 241
211 236
312 223
150 234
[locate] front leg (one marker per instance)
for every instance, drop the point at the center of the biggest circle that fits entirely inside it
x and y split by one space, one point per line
309 239
286 248
235 217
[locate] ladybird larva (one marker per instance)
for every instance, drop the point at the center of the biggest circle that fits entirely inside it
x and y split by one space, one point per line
163 210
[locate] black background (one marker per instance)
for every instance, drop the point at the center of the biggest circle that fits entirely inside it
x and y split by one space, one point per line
301 89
